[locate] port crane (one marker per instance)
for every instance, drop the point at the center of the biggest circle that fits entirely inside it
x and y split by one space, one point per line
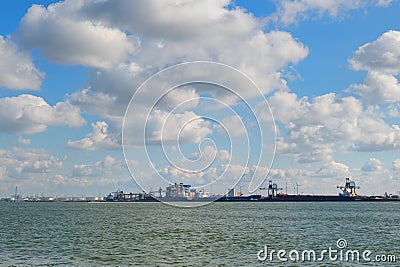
154 192
296 188
16 196
272 189
349 189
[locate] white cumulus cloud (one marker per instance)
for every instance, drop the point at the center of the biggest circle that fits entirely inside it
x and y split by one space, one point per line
380 59
16 68
32 114
316 128
372 165
292 11
381 55
68 40
99 138
138 38
333 169
396 165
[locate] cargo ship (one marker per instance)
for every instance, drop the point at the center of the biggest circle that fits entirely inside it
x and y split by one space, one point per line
180 192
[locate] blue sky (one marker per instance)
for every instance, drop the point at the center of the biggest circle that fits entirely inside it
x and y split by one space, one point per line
329 72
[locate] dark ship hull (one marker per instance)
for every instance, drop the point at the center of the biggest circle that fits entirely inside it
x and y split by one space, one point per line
259 198
181 192
305 198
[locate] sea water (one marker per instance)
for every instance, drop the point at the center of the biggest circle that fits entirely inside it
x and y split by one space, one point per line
218 234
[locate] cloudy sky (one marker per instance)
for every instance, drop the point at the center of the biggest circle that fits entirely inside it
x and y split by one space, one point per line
328 69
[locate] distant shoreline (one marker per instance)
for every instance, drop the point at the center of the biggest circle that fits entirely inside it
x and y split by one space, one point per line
254 198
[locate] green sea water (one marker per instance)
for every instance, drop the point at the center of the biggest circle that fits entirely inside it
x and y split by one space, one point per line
219 234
